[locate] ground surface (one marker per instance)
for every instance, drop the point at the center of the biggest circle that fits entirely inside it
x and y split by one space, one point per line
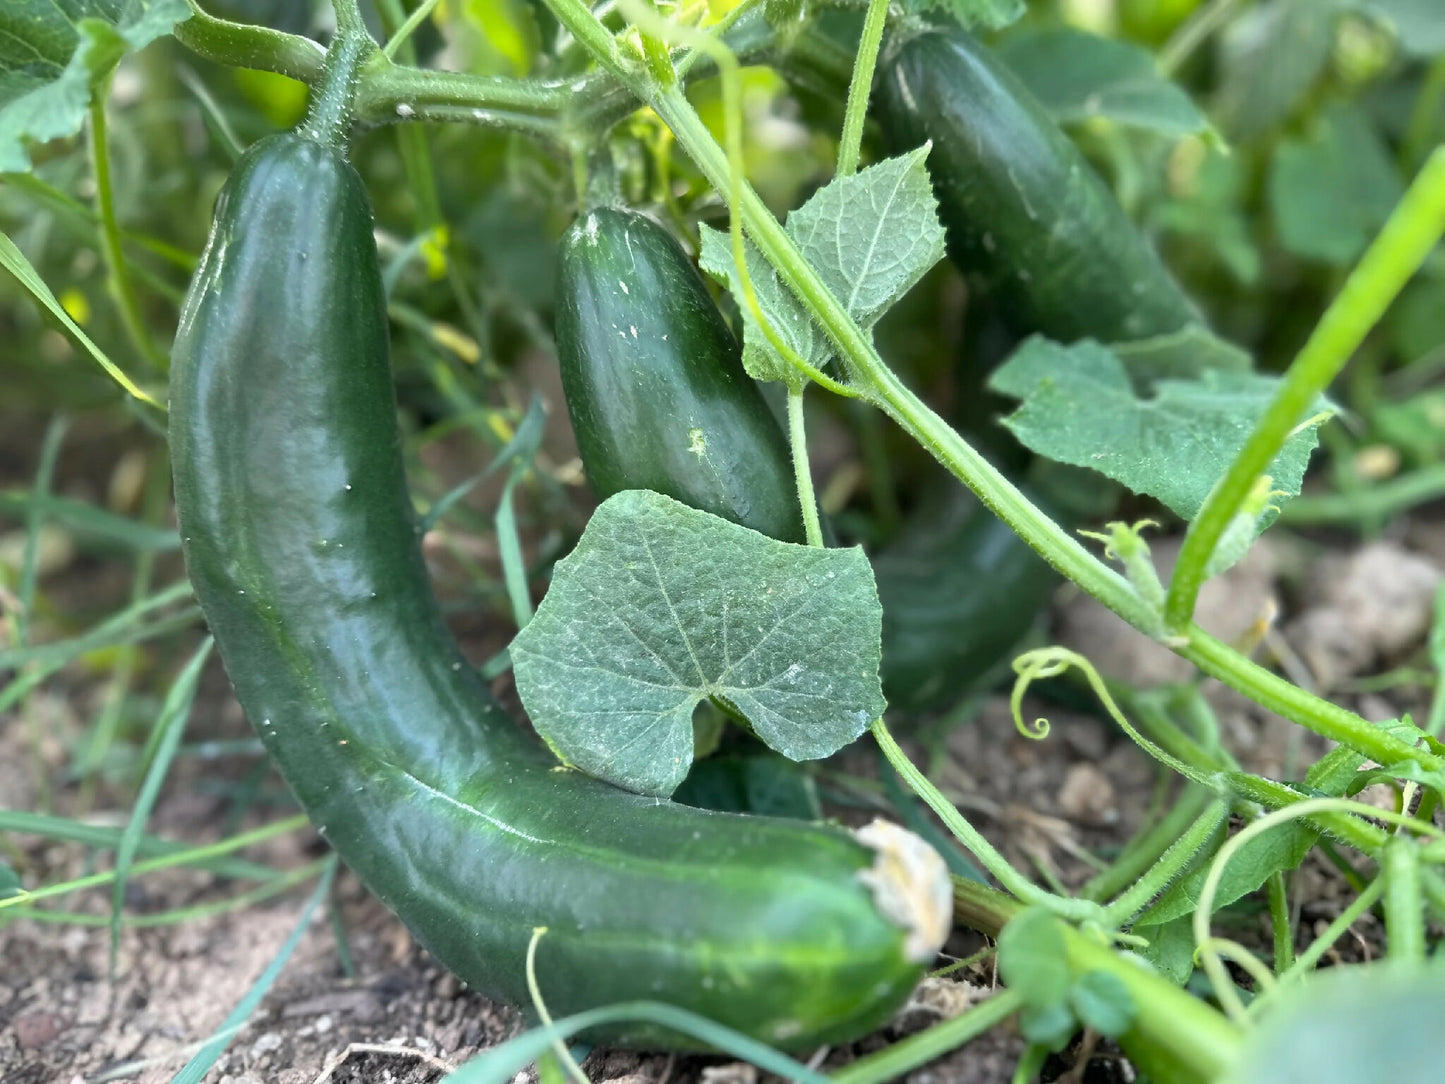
1344 611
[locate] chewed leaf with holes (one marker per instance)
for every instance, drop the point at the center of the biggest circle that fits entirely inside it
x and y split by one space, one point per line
661 606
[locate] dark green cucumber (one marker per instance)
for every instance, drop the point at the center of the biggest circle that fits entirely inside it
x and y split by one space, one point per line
1024 210
300 540
654 380
959 590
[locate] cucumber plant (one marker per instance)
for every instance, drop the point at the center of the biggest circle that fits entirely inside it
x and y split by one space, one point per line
315 352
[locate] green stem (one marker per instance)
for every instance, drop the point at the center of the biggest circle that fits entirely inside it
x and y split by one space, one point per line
1363 836
333 98
349 22
894 1062
110 239
1322 944
860 86
1378 501
1284 698
1146 848
240 45
1194 33
802 476
1279 919
1170 864
973 841
1404 903
1408 237
408 28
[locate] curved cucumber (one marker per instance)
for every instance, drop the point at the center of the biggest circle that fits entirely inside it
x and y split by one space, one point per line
300 540
654 380
1025 211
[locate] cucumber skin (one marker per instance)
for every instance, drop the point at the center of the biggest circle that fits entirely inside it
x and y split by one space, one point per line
654 380
300 540
1025 211
959 590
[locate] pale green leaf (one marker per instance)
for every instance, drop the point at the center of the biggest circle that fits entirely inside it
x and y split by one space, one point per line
1033 959
1079 76
783 312
869 236
1182 354
1331 194
661 606
52 53
1079 407
1366 1022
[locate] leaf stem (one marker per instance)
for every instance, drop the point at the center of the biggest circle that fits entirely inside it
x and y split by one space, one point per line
241 45
893 1062
802 476
333 96
860 87
1404 904
408 28
1170 864
972 839
1412 231
121 290
1279 920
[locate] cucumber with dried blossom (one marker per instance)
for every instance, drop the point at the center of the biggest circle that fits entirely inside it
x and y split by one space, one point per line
300 539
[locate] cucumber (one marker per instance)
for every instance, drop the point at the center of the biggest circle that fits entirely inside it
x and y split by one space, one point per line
1026 214
654 380
300 539
959 591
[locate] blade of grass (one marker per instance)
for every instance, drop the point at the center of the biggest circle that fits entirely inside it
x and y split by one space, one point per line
108 633
200 1064
34 520
108 838
190 856
499 1064
170 726
14 261
91 522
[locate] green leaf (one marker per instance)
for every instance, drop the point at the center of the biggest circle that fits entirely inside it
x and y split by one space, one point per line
1331 194
1033 959
1419 25
1182 354
52 54
1269 59
662 606
784 313
994 14
869 236
1417 319
1170 948
1052 1025
1377 1021
1079 76
1080 408
1101 1001
872 235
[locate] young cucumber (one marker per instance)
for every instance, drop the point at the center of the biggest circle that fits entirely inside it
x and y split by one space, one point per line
1025 211
300 540
654 380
